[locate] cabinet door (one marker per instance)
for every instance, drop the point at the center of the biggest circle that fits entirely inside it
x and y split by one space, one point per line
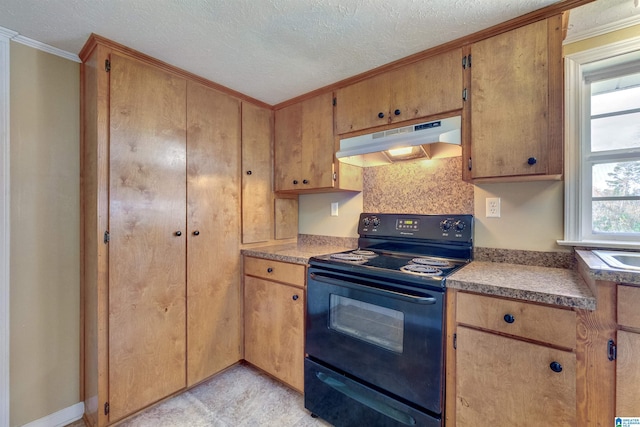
628 375
288 148
510 111
427 87
213 265
506 382
257 193
363 105
274 329
318 144
147 218
304 145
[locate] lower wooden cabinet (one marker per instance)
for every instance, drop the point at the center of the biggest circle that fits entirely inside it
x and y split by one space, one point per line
628 352
510 363
274 303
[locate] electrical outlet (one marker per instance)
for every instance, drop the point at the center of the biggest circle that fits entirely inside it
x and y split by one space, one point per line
493 207
334 209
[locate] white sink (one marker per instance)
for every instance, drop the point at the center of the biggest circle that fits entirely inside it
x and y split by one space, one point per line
620 259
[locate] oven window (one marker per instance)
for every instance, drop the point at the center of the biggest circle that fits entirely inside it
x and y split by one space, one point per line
376 325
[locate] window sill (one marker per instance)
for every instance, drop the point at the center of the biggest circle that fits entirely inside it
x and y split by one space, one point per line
601 244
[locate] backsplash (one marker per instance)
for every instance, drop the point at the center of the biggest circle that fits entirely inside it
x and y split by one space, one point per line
420 187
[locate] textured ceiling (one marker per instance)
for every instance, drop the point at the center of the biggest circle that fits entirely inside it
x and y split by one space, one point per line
272 50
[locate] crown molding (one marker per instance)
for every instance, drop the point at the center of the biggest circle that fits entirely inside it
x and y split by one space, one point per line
16 37
602 29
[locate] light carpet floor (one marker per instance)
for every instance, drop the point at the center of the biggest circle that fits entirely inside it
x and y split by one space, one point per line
240 396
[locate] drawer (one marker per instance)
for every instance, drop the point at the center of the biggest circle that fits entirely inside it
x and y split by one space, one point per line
535 322
278 271
628 306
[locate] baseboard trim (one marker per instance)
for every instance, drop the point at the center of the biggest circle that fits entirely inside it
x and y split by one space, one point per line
61 418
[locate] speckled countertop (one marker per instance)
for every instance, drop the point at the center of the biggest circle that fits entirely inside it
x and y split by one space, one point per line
296 253
557 286
599 270
549 285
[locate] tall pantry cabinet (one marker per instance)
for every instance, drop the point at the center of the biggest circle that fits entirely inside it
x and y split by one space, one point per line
160 236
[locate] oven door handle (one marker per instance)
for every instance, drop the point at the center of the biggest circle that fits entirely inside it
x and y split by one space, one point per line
416 299
376 405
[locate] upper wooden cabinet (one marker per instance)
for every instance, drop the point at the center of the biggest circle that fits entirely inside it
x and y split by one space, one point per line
305 147
257 161
420 89
513 115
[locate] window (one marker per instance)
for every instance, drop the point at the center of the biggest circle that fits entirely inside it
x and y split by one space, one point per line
602 173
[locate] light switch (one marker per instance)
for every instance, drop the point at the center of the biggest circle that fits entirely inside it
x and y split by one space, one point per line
334 209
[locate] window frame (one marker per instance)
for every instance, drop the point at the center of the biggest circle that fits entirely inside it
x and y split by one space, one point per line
577 128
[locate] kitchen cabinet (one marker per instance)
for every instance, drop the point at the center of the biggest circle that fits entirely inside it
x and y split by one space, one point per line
628 352
160 292
515 362
274 295
305 147
424 88
264 216
513 118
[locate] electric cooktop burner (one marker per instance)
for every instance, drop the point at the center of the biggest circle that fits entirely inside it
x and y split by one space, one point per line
421 270
433 262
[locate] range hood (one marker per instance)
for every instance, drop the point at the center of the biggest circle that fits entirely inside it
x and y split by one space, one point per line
435 139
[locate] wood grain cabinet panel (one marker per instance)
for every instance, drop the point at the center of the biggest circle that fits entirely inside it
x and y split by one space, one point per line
305 150
293 274
147 256
507 382
274 329
628 352
214 298
424 88
514 108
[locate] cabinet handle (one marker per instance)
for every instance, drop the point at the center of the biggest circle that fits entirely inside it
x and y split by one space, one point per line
178 233
397 112
555 367
249 172
196 233
269 270
532 161
295 182
295 297
509 318
305 181
381 115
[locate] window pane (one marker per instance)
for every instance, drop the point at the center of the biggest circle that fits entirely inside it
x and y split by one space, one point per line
618 216
614 98
616 179
615 132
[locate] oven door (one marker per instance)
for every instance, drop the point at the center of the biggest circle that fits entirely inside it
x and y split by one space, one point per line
383 334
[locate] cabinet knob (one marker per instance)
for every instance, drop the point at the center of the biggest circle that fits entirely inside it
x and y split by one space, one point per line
509 318
305 181
295 182
249 172
178 233
196 233
555 367
269 270
381 115
532 161
295 297
397 112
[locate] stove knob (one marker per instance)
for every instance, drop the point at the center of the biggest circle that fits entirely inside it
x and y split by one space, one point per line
446 224
366 222
376 222
459 225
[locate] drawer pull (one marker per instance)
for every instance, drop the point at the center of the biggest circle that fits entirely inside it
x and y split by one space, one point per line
555 367
509 318
295 297
269 270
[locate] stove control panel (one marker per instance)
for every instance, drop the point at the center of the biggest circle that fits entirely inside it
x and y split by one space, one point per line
432 227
